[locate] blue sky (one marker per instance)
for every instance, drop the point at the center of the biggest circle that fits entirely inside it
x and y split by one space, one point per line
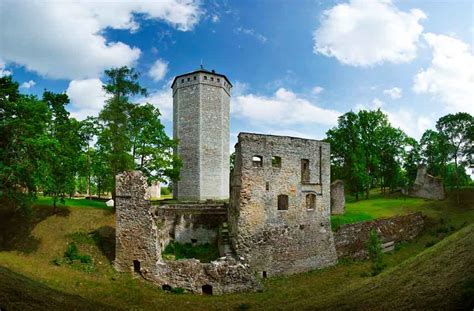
295 65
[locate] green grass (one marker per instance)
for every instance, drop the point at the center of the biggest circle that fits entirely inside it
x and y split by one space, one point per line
74 202
434 270
204 252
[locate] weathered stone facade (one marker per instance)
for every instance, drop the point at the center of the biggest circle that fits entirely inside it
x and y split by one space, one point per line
201 107
279 215
143 231
338 200
426 186
350 239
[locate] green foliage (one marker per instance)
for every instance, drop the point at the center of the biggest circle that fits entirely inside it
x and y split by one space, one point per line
72 254
165 191
376 256
204 252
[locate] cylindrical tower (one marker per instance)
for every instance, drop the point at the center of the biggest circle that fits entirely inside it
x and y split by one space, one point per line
201 106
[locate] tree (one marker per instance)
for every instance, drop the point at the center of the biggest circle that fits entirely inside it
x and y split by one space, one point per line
114 139
411 160
24 145
66 145
457 130
434 150
152 149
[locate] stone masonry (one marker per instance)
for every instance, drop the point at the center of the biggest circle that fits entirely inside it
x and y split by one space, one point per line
279 215
426 186
338 200
143 231
201 106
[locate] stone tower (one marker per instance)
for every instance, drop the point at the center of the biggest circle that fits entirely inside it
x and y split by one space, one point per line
201 106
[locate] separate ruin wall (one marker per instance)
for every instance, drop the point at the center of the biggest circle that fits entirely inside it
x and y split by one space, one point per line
143 230
273 241
426 186
351 239
338 200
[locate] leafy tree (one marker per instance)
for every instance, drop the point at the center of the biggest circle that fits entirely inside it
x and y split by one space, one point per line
65 148
457 130
411 160
152 149
114 139
24 145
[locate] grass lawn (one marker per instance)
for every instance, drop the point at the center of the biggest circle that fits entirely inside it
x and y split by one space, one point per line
73 202
436 268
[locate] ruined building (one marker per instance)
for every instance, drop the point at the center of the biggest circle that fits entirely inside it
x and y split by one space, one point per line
426 186
276 222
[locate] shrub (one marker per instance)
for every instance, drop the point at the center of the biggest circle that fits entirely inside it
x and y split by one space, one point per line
72 254
374 248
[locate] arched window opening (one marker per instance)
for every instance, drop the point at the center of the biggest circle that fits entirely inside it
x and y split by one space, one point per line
207 289
257 161
311 201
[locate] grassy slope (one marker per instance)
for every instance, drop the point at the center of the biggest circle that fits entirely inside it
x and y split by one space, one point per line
335 286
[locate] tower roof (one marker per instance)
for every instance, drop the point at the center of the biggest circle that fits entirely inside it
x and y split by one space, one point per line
201 70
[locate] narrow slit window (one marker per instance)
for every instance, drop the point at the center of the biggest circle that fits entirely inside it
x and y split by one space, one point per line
311 201
276 161
282 202
136 266
305 171
257 161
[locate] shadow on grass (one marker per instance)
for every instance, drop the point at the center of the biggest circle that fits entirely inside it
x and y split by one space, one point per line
16 227
104 239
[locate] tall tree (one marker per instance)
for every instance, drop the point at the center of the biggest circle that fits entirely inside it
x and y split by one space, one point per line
457 129
434 150
121 84
411 159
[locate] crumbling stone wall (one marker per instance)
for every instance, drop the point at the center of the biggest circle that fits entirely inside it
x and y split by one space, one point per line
338 200
143 230
426 186
350 239
281 241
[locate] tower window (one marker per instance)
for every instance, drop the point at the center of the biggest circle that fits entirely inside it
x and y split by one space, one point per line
194 77
189 79
310 201
257 161
136 266
182 80
305 171
218 80
276 161
282 202
205 77
212 78
267 186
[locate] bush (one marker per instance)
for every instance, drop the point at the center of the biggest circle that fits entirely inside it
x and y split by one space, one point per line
72 254
204 252
374 248
165 191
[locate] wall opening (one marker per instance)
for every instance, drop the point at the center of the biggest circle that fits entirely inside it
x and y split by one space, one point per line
257 161
207 289
264 274
282 202
267 186
166 287
276 161
304 170
310 201
136 266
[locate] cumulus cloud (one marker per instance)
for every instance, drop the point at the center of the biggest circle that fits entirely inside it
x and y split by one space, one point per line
27 85
365 33
87 98
394 93
410 122
159 70
163 100
450 76
4 72
64 39
284 107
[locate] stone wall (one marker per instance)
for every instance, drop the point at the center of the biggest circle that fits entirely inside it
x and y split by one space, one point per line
201 107
426 186
273 241
338 199
350 239
143 230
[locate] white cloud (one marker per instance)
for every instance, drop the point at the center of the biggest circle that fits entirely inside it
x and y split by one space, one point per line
410 122
4 72
450 76
64 39
394 93
163 100
284 108
159 70
317 90
365 33
27 85
252 33
215 18
377 103
87 98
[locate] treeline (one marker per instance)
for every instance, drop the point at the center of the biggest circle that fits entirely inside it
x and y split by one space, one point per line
43 149
367 152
